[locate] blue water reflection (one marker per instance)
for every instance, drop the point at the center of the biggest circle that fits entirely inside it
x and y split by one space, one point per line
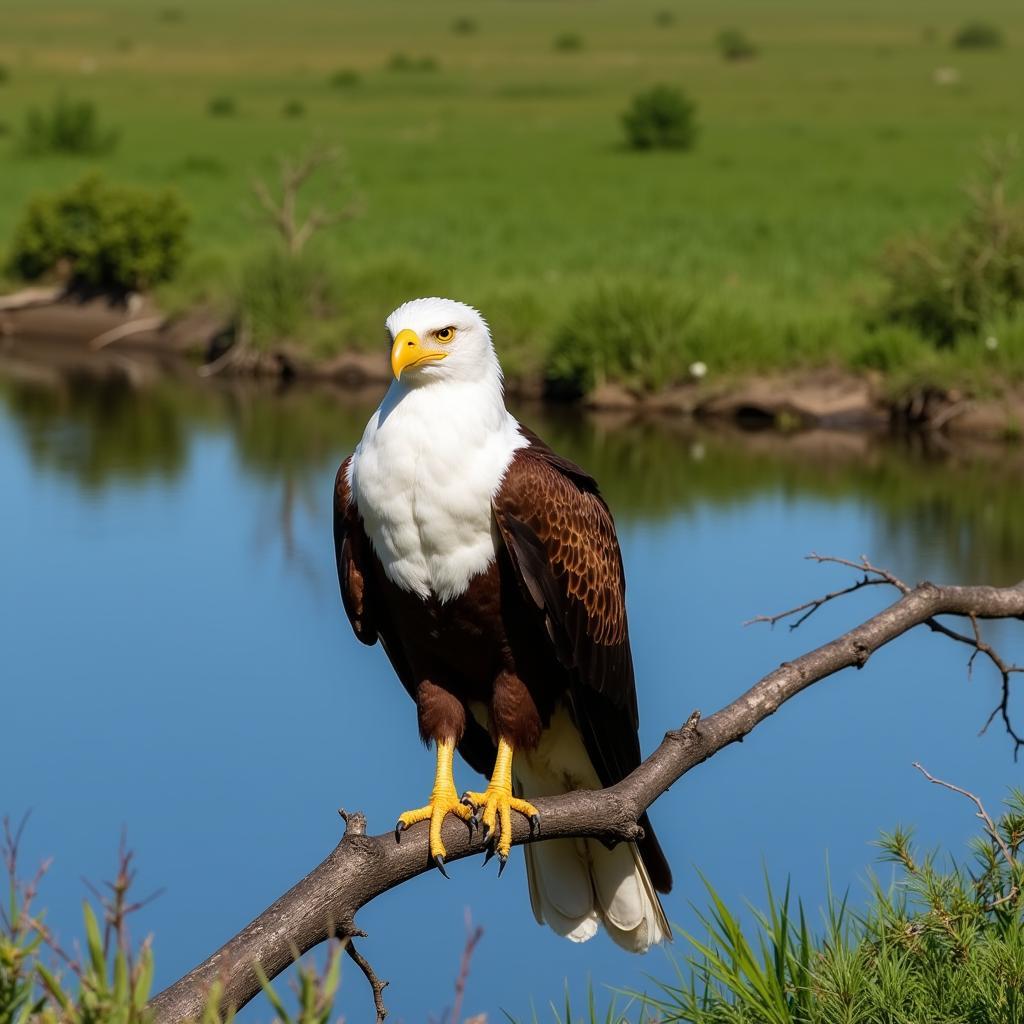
176 662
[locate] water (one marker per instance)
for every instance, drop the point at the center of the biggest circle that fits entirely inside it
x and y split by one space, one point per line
176 662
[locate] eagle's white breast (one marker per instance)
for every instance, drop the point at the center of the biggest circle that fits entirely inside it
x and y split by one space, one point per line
423 476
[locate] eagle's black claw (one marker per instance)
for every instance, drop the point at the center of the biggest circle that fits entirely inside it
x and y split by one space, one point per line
534 824
439 861
399 829
473 824
488 855
501 866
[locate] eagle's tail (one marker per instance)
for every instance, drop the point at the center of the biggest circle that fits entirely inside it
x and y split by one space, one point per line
578 884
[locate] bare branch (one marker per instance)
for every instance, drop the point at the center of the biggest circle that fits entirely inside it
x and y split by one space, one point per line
282 213
376 984
990 828
362 867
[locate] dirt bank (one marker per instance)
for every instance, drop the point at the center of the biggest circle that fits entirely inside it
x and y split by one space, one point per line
57 326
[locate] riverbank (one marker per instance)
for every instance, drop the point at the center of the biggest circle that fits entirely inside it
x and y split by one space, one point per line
94 336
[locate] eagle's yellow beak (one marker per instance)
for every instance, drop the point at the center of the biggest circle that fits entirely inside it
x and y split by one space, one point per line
409 351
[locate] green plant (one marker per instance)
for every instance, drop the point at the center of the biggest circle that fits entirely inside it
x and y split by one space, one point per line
949 284
465 26
345 78
109 237
664 18
293 108
69 127
222 106
978 35
663 117
568 42
633 333
5 74
733 44
402 62
282 297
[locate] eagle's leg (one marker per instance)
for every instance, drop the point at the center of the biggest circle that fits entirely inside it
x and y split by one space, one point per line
443 800
497 802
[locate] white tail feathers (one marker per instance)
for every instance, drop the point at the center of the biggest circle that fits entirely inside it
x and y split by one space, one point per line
576 884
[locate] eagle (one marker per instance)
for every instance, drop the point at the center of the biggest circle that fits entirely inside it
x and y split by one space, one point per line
487 567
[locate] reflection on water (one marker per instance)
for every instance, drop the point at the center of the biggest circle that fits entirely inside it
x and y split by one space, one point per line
960 505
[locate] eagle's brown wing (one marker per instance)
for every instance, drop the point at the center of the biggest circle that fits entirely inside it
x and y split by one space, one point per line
561 542
365 598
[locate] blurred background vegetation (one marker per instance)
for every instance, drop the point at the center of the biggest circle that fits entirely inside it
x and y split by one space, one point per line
793 177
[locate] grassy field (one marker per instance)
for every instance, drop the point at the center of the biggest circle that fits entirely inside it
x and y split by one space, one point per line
500 176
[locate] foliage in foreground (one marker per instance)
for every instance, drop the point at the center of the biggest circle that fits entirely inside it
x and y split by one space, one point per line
944 943
113 238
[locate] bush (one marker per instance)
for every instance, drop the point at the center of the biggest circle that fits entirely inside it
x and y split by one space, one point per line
402 62
735 45
222 106
568 42
294 108
661 118
113 238
464 26
628 333
5 74
344 78
948 285
664 18
286 298
69 127
978 35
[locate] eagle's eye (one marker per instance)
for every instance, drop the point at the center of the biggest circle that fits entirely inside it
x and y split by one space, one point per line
445 335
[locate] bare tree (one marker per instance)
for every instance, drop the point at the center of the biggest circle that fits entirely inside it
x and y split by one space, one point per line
324 903
282 212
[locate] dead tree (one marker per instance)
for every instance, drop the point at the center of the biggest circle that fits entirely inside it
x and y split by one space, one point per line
324 904
282 212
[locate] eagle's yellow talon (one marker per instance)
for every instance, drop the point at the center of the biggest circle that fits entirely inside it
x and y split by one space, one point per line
494 809
443 800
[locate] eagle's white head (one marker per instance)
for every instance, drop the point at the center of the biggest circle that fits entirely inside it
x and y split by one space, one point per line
435 340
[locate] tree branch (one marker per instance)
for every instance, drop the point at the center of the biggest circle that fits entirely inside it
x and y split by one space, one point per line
361 867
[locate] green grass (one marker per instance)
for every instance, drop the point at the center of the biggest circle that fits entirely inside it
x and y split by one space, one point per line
503 172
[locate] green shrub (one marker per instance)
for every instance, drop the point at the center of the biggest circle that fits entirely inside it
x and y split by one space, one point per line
172 15
5 74
949 284
464 26
68 127
222 106
568 42
735 45
978 35
345 78
628 333
661 118
402 62
664 18
108 237
286 298
294 108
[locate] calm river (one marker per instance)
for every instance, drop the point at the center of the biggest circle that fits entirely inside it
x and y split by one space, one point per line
176 663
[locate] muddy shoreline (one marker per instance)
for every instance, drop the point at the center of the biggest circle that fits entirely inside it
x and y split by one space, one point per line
94 335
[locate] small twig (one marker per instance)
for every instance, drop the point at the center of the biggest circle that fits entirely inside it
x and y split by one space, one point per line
810 607
473 937
376 984
982 813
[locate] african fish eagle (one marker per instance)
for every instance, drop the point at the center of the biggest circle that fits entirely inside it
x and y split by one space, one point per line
488 568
